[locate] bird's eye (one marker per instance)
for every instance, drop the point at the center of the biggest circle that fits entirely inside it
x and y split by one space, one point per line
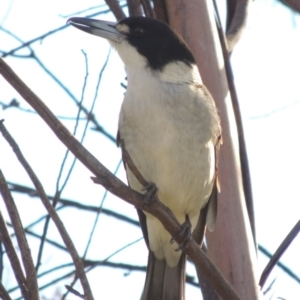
138 31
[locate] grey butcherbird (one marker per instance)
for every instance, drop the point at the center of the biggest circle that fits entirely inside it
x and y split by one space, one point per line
171 129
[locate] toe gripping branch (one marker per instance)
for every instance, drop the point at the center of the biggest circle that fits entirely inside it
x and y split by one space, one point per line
185 235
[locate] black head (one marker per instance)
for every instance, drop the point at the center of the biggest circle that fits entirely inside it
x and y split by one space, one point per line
156 41
152 39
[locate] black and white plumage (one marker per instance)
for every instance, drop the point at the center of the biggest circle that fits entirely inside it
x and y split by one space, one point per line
171 130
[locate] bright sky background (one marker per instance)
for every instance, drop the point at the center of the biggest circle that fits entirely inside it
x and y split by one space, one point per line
266 65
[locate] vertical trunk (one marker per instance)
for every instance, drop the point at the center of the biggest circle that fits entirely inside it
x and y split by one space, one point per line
230 246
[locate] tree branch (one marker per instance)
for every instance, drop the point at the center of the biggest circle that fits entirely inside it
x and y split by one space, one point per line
278 253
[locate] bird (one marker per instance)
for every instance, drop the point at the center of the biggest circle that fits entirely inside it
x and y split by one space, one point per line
171 130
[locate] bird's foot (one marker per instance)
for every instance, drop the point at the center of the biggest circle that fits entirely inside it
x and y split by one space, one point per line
185 235
151 194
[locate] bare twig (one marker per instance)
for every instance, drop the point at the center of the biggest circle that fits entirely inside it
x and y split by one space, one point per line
30 290
54 31
100 210
280 265
278 253
117 187
82 138
11 252
59 189
89 116
59 224
91 264
50 242
74 292
116 9
69 203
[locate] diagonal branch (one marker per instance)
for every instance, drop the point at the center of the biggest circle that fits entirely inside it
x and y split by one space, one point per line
278 253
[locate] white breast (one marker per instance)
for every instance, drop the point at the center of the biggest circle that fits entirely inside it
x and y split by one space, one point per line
169 130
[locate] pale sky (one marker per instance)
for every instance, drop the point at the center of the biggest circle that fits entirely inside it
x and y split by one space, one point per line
266 68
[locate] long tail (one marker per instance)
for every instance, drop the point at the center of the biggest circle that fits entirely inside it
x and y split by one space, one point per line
164 282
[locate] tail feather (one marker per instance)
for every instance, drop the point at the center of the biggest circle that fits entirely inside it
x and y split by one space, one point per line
164 282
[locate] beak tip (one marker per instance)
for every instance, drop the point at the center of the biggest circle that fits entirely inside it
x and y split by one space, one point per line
70 21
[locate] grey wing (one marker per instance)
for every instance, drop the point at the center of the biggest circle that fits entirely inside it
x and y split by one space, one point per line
208 213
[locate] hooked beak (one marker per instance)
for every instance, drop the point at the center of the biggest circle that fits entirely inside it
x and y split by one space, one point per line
104 29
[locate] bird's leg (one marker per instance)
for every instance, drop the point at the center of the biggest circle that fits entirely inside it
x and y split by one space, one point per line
185 235
151 195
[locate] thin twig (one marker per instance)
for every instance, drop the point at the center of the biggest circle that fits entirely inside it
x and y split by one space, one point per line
54 31
91 117
30 290
278 253
59 189
99 211
74 292
118 188
59 224
82 139
69 203
280 265
11 252
33 234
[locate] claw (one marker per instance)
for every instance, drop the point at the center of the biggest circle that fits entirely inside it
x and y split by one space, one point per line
185 234
151 190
